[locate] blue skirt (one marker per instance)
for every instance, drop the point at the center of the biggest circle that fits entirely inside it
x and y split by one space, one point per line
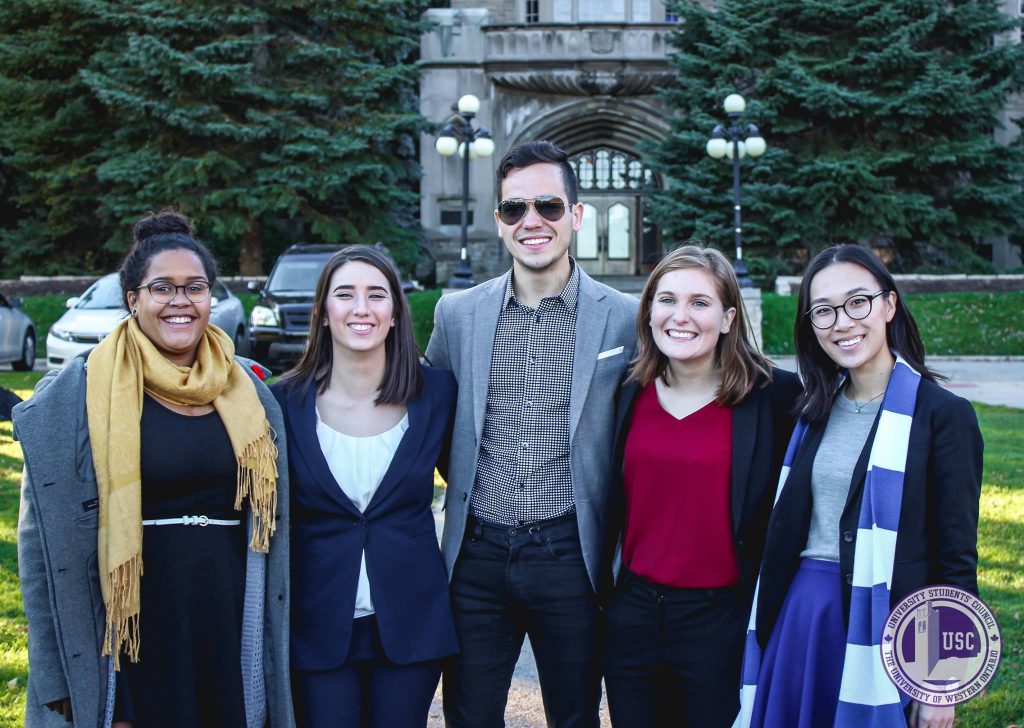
802 666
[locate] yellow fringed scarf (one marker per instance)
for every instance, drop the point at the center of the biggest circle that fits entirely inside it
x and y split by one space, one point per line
121 368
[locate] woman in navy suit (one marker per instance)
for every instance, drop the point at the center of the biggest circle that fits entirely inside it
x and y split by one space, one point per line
703 424
366 424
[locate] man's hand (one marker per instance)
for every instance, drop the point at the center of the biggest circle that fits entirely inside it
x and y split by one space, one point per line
930 716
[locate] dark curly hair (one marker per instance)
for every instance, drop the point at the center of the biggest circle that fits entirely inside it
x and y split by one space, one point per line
154 234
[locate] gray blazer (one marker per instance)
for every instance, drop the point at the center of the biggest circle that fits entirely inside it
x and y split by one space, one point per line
462 342
59 575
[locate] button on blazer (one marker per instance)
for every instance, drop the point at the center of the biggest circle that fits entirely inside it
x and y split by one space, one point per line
408 582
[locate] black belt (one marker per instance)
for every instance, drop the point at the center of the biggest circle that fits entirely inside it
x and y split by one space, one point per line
476 526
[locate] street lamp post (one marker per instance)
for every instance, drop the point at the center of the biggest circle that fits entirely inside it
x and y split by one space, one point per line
458 135
736 148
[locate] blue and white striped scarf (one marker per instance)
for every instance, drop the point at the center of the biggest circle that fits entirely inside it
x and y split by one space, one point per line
867 697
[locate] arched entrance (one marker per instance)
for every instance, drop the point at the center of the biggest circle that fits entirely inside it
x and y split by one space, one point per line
601 137
613 239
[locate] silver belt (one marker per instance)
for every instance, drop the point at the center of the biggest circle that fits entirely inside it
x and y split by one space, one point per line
191 521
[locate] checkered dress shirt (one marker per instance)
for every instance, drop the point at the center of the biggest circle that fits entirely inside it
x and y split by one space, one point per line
523 473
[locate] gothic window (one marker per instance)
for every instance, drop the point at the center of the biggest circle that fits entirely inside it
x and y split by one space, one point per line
602 168
609 169
532 11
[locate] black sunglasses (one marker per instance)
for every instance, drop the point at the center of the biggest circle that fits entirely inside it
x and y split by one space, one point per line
514 209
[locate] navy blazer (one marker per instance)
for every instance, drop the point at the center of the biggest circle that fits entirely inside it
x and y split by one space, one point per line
936 540
408 580
761 427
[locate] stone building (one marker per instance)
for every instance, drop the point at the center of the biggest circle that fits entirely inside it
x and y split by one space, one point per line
582 74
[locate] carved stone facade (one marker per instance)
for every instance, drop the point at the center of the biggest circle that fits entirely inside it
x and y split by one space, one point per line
582 74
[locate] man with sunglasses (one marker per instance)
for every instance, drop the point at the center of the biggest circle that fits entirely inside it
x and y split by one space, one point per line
539 354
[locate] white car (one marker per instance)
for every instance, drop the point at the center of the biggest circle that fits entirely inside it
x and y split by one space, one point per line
17 336
93 315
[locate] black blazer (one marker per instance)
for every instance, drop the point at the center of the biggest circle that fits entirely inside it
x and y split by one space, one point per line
761 427
407 576
936 540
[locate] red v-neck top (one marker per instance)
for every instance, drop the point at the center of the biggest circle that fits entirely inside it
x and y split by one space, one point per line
678 484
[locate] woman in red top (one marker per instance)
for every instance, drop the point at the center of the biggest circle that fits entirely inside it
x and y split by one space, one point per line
704 420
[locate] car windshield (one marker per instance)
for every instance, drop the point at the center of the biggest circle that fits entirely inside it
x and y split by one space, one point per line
104 293
297 273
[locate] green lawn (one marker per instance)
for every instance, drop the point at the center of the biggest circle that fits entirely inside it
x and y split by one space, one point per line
1001 568
950 323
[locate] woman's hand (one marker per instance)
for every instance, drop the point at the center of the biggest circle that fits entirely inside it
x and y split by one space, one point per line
121 724
930 716
63 707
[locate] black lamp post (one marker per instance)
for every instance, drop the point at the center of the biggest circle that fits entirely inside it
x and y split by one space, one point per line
736 148
458 135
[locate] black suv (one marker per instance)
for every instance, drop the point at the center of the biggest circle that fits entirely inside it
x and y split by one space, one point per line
279 322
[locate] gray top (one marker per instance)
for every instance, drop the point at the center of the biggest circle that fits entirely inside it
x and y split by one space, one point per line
841 445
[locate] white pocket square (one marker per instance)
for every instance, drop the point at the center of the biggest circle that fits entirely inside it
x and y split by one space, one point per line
610 352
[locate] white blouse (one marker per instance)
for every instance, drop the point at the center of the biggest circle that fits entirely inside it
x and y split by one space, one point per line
359 465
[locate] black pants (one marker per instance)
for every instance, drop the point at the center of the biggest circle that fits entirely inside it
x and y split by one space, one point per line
673 656
511 582
368 690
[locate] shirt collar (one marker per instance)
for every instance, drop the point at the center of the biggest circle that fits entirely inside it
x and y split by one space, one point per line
568 295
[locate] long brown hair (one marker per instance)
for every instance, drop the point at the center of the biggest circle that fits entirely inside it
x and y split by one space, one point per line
739 361
403 378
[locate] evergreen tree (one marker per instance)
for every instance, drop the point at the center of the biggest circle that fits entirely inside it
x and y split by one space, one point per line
268 121
878 115
51 129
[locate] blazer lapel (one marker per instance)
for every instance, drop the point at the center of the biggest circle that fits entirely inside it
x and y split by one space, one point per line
485 323
405 454
591 317
798 484
306 444
744 438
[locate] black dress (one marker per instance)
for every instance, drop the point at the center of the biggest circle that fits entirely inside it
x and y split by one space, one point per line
189 671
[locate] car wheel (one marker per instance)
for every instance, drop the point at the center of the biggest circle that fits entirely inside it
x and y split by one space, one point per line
260 351
28 354
241 342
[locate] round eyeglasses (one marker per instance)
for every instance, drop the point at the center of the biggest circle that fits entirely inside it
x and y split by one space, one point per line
164 291
824 315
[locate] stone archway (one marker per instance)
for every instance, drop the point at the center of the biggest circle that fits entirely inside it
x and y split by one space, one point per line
603 139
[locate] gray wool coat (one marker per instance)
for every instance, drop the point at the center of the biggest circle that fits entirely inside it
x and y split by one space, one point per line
57 561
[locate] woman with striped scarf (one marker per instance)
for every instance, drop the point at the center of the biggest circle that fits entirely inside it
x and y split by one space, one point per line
878 498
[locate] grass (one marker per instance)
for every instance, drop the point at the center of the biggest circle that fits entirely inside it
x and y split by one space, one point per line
421 307
950 323
1000 572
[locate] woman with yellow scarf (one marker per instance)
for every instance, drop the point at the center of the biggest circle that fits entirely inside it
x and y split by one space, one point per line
153 539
